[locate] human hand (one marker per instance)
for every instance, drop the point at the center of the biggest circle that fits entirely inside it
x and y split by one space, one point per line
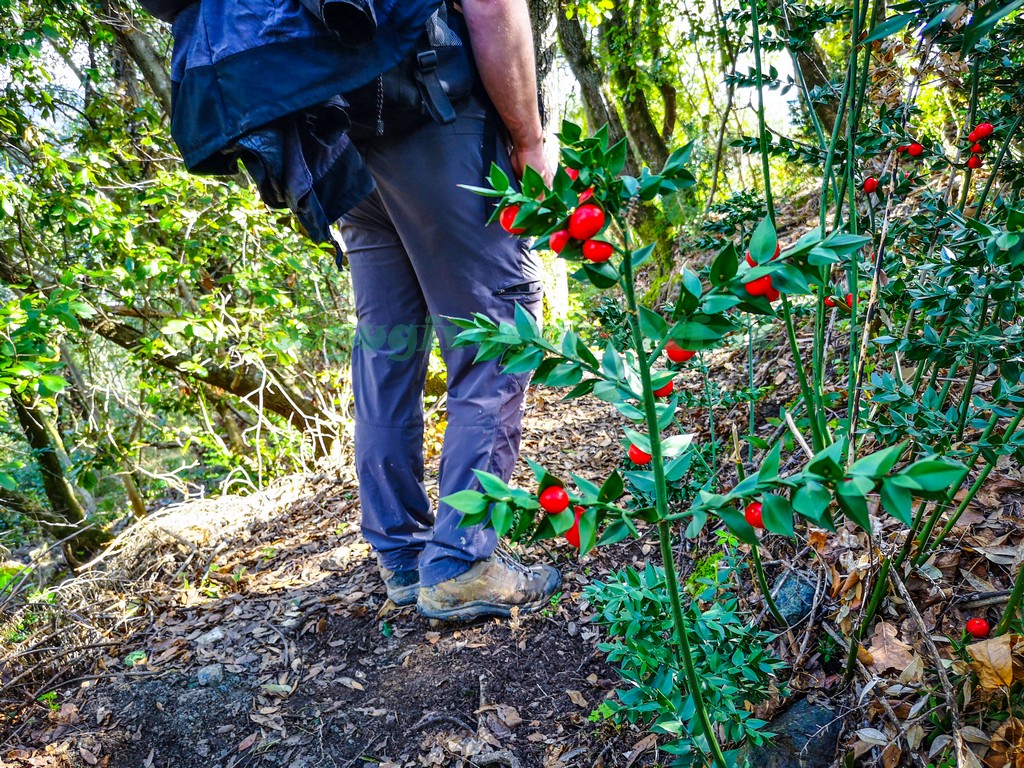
532 155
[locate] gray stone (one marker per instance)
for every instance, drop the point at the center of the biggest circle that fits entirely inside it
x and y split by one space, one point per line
795 597
210 674
215 635
806 736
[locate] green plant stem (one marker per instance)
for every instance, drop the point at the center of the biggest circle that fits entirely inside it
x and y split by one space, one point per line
762 583
995 166
750 376
762 133
1013 606
661 505
877 595
939 508
972 112
817 432
755 551
711 415
924 547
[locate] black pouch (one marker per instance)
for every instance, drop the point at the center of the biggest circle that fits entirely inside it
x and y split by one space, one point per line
428 84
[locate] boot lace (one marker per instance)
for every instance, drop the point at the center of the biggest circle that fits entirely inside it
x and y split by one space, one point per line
506 557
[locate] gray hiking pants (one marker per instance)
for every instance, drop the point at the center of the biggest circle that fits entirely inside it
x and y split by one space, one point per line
419 251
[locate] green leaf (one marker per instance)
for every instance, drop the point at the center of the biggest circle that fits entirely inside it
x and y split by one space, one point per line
725 266
854 505
897 501
588 531
652 325
811 501
492 484
642 255
763 242
889 27
931 477
614 533
616 159
526 324
777 514
676 444
984 21
770 466
563 521
612 489
880 463
829 462
676 469
611 363
502 518
498 178
739 526
467 502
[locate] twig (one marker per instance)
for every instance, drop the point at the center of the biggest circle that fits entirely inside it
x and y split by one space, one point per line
947 689
798 436
432 718
897 723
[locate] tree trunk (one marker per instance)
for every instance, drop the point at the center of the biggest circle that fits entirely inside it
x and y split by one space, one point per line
588 72
140 48
641 129
68 514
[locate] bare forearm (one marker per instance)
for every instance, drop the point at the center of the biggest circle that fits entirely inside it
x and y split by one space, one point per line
502 41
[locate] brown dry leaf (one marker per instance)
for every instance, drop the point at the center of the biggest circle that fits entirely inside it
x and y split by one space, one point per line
248 741
993 661
1007 746
88 756
432 637
965 757
887 650
577 698
891 756
646 743
509 715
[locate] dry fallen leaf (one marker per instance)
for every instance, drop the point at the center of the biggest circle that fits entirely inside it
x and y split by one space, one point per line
88 756
577 698
248 741
646 743
994 663
509 715
1007 746
887 650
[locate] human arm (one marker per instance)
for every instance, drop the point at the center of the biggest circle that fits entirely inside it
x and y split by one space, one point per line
502 42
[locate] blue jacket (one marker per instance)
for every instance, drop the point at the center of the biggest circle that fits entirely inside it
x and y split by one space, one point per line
261 81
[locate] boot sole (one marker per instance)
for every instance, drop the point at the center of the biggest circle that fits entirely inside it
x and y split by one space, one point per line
480 609
404 595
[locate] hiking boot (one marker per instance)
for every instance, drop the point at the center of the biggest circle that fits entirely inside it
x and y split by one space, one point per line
492 587
402 586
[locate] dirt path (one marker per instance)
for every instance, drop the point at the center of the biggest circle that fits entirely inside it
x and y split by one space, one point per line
289 654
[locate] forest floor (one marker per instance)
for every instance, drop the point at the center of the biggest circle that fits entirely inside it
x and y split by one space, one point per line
254 631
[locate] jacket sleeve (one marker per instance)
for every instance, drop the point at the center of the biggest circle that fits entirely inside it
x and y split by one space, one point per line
353 21
165 10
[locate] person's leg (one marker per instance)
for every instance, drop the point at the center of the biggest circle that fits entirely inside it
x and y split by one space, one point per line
389 365
463 267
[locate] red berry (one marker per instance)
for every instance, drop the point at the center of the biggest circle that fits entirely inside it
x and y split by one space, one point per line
586 194
974 162
778 250
665 391
753 515
984 130
676 353
638 457
759 287
554 499
586 222
870 184
973 136
773 294
508 215
915 150
559 240
829 301
597 251
977 149
977 628
573 534
849 300
572 173
903 148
